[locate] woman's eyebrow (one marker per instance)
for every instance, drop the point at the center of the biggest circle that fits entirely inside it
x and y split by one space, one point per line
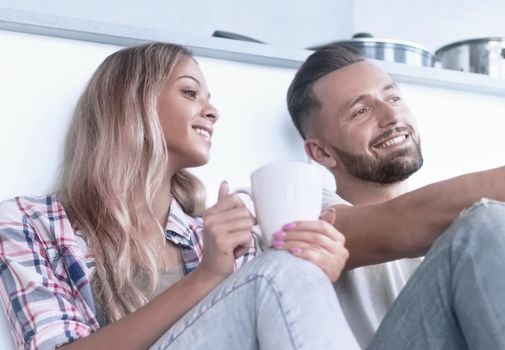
195 80
189 77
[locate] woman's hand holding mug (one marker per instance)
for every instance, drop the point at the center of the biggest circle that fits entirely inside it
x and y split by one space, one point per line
228 226
317 241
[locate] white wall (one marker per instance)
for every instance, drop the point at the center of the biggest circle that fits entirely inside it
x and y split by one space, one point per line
42 78
461 132
430 23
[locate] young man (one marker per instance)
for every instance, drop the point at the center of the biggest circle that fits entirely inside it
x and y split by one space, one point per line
355 123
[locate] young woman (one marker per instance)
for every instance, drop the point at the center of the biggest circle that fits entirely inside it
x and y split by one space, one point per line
114 259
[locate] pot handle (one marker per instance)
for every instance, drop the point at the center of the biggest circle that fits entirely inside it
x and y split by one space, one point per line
234 36
362 35
503 53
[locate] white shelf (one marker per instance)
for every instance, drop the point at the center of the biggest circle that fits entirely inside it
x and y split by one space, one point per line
109 33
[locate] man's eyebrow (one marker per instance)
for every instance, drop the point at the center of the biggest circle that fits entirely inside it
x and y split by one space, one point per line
390 86
353 101
194 79
359 98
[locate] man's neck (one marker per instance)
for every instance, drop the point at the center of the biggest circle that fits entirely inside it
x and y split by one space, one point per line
358 192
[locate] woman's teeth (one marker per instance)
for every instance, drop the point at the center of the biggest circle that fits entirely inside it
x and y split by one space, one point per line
392 142
204 133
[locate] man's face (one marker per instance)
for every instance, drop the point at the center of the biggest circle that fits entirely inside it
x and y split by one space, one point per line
366 126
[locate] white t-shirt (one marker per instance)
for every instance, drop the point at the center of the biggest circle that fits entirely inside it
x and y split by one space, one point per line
366 293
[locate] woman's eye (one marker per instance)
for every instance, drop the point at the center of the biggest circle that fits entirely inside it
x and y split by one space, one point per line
191 93
395 98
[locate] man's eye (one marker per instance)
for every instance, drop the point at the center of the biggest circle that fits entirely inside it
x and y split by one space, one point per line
360 111
191 93
395 98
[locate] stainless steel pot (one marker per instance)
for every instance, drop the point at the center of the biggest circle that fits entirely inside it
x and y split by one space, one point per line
483 55
389 50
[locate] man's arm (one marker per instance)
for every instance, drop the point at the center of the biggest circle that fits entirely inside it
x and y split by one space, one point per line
406 226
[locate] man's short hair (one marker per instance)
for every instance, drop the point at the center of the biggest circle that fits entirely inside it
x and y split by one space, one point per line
302 102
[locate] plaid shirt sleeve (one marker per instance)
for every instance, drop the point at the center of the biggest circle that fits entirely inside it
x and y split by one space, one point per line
251 253
188 232
42 307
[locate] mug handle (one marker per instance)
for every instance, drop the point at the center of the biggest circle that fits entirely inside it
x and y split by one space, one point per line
249 204
247 200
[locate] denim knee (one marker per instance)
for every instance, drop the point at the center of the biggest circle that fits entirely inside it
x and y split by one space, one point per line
287 270
487 209
482 225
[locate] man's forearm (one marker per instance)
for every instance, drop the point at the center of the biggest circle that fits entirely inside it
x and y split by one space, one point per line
406 226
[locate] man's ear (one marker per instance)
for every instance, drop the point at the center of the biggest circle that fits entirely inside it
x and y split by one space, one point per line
316 150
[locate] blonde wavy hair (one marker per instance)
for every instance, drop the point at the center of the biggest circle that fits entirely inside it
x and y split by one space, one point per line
115 158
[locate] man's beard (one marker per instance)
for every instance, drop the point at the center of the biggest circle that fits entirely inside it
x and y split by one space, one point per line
395 167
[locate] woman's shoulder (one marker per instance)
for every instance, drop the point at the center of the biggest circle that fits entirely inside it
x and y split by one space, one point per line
33 206
37 212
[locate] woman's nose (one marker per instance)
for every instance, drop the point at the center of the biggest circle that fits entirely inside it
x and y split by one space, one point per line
210 112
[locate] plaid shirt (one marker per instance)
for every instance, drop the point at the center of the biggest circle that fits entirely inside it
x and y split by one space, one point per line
45 269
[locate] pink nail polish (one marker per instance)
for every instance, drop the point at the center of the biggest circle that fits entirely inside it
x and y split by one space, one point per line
289 226
279 234
296 250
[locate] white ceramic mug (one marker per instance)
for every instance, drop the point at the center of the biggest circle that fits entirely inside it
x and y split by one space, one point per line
284 192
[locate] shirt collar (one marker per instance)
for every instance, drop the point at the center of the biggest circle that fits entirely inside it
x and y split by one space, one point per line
179 224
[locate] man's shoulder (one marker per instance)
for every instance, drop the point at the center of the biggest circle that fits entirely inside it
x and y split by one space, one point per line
330 198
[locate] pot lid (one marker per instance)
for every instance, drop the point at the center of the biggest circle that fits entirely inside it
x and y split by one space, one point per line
366 39
395 42
470 41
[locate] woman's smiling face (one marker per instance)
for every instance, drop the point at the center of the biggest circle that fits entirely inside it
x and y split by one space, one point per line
186 116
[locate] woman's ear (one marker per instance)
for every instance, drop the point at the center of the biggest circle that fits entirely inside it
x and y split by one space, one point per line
316 150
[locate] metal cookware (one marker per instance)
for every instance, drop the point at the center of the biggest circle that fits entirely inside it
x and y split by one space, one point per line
235 36
389 50
482 55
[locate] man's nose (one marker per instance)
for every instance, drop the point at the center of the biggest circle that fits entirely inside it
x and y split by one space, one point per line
388 115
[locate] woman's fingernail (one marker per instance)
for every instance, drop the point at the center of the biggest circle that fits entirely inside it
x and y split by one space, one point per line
288 226
277 244
279 234
296 250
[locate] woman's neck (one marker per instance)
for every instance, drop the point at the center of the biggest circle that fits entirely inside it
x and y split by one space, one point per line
162 200
160 205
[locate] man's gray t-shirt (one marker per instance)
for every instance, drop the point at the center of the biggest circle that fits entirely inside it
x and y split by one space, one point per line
366 293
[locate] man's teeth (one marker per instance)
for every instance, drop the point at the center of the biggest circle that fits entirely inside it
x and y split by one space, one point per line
204 133
392 142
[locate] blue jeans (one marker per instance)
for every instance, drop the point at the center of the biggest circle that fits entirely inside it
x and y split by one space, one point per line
275 302
456 298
